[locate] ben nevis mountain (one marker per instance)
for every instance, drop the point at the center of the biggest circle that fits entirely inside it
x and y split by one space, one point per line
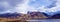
29 14
19 17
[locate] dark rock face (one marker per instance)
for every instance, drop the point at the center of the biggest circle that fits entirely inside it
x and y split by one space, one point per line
6 15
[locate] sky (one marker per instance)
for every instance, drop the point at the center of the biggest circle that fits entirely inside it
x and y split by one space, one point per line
23 6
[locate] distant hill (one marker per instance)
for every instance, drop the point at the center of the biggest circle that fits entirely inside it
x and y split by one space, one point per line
56 16
7 15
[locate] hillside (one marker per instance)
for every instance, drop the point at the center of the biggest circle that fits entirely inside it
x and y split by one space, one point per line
21 17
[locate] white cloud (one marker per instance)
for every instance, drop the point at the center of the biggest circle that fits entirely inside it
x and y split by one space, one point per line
53 10
57 7
22 8
25 7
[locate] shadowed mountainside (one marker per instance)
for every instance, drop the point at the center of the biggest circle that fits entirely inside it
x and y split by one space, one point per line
56 16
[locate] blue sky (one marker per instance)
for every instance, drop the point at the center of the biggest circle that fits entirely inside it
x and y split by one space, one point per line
23 6
42 2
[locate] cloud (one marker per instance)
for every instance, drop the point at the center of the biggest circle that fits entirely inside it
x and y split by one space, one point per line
4 6
25 7
42 6
8 6
22 8
54 10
